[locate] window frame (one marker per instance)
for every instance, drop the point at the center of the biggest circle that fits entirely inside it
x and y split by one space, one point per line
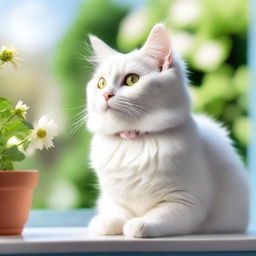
252 111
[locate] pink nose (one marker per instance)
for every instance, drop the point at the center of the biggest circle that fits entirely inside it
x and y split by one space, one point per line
108 95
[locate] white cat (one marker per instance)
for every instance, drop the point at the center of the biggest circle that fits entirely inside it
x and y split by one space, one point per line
162 170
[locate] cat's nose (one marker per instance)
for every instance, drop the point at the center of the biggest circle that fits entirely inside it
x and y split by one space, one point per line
108 95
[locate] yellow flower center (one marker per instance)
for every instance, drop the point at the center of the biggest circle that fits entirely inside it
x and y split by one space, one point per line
20 110
41 133
7 55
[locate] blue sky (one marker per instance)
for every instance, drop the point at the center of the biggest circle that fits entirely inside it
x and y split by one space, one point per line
38 24
35 24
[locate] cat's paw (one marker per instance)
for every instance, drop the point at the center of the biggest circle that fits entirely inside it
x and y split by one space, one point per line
102 225
138 227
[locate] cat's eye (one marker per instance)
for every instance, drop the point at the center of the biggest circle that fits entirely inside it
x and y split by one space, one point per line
131 79
102 83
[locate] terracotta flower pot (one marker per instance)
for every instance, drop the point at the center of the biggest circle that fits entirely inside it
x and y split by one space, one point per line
16 192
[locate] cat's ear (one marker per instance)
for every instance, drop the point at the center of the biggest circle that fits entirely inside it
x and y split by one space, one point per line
101 50
158 45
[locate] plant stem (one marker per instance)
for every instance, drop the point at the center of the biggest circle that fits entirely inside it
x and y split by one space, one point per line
1 164
22 142
8 120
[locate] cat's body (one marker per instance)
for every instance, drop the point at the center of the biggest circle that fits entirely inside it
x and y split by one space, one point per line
174 173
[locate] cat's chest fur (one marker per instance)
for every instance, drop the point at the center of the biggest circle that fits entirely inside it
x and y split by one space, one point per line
131 170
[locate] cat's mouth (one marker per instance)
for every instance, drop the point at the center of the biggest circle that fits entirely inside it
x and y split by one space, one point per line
131 134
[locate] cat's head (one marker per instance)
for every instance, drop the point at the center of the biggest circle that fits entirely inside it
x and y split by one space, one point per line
142 91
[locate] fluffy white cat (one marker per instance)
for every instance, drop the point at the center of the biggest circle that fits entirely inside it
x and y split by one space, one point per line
162 170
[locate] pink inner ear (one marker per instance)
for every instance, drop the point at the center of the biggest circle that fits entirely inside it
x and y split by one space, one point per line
167 62
158 45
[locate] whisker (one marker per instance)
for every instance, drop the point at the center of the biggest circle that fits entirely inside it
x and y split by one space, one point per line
138 109
78 121
77 126
142 107
79 114
74 124
129 109
76 107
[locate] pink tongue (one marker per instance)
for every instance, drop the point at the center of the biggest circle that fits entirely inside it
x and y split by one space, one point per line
129 135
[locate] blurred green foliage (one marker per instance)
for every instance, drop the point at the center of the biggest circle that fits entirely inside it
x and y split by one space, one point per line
101 18
211 35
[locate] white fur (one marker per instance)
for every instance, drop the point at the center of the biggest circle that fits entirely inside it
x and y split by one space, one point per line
184 176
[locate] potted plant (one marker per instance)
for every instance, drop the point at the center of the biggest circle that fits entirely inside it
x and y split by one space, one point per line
18 138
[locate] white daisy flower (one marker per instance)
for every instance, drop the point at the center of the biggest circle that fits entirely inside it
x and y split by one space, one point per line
43 134
21 109
8 54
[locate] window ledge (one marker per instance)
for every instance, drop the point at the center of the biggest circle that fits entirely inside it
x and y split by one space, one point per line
77 240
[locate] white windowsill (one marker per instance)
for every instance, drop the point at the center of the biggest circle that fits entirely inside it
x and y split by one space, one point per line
76 239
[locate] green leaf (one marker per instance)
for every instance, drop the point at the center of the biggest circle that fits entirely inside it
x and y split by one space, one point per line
7 164
2 144
4 104
2 141
5 115
13 154
17 128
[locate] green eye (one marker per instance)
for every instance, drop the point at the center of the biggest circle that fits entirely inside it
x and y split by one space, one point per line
102 83
131 79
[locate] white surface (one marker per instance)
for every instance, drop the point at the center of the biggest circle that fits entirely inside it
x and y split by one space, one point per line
38 240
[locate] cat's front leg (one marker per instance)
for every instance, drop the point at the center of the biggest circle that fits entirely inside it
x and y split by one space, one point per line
166 219
110 220
106 225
